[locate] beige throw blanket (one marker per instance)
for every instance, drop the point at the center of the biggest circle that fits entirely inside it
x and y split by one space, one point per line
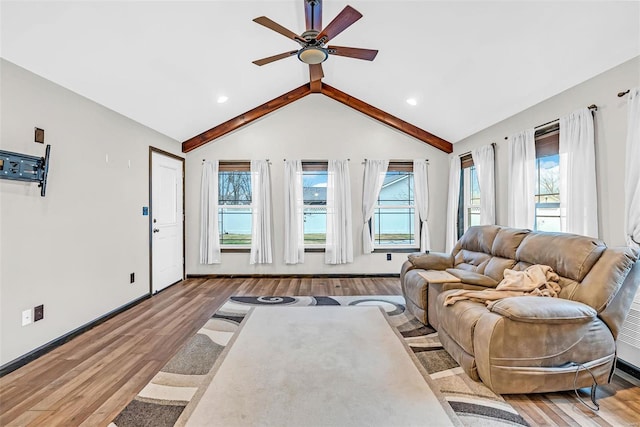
537 280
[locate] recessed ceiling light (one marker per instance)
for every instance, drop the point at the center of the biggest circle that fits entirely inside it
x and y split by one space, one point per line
412 101
222 99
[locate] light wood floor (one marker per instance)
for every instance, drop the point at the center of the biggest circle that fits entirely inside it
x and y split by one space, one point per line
90 379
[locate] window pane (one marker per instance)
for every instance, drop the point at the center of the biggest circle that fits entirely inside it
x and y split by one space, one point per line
548 175
397 189
234 188
474 215
235 226
315 225
475 188
548 217
394 226
314 189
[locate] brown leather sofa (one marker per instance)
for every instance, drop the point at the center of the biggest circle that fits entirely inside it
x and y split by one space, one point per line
528 344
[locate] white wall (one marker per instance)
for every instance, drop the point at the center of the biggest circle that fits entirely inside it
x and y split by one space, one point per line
288 134
610 139
74 249
611 131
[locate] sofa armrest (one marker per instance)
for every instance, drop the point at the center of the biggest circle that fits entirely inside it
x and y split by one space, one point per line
432 261
473 278
533 309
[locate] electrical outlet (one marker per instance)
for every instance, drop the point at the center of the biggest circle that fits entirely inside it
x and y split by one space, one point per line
26 317
38 313
132 277
388 257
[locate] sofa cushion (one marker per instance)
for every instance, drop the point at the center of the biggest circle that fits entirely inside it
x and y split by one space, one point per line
459 320
507 241
605 278
569 255
533 309
473 278
471 261
496 266
479 238
431 261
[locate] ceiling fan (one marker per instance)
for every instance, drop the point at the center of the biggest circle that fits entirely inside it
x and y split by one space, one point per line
313 49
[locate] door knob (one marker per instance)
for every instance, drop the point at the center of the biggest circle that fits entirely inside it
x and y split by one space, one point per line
155 230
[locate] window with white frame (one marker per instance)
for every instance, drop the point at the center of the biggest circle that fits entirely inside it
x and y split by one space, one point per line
548 214
394 220
314 189
234 204
469 202
471 197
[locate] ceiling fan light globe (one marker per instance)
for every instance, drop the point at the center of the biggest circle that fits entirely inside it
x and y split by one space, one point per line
313 55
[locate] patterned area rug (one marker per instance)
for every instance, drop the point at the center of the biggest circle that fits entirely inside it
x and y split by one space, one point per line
164 399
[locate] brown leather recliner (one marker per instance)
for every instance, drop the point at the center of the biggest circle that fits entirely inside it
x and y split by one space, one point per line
528 344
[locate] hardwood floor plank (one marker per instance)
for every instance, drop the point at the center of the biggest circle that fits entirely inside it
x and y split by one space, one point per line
91 378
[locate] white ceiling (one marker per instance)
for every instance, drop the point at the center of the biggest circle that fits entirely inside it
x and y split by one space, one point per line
469 64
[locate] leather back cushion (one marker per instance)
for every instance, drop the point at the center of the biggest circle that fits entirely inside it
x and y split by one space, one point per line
471 261
605 278
507 241
496 266
569 255
479 238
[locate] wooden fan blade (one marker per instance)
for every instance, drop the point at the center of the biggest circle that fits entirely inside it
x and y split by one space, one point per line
273 58
315 72
313 14
263 20
344 19
353 52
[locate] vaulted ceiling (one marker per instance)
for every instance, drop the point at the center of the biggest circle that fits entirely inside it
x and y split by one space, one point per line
467 64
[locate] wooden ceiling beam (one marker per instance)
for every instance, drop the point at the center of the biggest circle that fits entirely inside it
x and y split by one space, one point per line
331 92
387 118
246 118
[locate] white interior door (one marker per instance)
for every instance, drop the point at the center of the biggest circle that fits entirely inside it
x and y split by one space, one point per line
167 219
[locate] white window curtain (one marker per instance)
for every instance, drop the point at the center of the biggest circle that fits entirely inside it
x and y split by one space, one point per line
632 172
421 197
261 213
209 236
339 244
374 174
483 160
578 193
522 177
451 235
293 213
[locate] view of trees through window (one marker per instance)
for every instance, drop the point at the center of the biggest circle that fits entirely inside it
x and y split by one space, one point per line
234 207
394 220
548 217
314 188
471 197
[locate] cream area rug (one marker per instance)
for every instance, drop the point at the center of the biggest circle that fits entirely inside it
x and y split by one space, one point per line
353 370
314 361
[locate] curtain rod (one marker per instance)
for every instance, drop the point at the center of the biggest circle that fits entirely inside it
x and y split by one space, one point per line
314 161
468 153
233 161
623 93
398 160
592 107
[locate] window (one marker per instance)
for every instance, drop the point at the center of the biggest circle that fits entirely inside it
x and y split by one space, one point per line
548 216
394 219
234 203
314 189
469 203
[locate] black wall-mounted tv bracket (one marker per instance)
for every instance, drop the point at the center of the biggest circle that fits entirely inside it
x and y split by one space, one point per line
21 167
